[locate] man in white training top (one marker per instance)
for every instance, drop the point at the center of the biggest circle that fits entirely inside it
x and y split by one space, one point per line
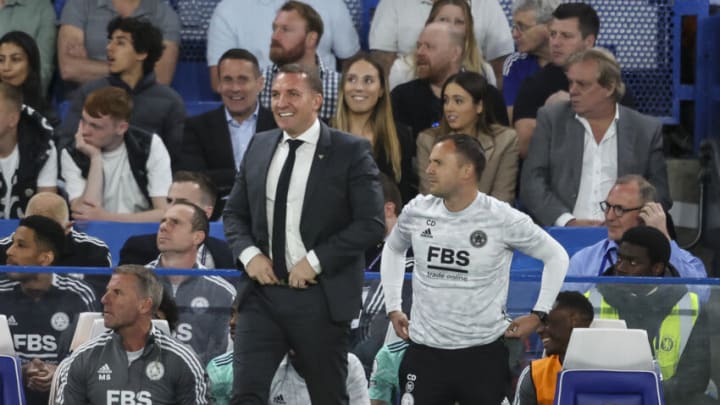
463 242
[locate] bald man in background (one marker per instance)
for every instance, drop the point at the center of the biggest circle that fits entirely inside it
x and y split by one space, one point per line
80 250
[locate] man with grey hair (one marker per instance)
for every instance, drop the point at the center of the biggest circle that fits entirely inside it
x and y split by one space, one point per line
531 35
581 146
133 362
631 202
439 55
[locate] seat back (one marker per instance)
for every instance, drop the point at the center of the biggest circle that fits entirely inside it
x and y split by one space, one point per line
608 349
599 387
6 340
608 323
83 328
11 385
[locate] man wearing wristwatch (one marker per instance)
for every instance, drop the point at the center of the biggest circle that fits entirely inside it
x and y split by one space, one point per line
463 242
536 385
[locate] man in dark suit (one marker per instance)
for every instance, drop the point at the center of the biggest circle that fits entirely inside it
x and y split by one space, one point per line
300 228
199 190
214 142
581 147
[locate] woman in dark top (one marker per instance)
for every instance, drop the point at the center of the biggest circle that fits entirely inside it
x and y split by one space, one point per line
364 109
20 67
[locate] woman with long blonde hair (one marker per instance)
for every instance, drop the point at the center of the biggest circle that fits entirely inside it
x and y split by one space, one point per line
364 109
467 110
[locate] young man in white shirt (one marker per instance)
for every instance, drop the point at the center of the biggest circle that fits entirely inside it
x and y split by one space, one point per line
114 172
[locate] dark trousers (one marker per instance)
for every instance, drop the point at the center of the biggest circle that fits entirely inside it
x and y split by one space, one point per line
475 375
271 321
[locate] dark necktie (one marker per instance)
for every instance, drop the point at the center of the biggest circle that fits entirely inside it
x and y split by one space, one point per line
607 260
280 212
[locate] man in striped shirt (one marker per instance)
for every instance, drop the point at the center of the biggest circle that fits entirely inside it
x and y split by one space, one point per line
133 363
40 306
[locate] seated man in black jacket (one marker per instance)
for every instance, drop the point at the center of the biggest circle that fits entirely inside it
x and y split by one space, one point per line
199 190
215 142
676 325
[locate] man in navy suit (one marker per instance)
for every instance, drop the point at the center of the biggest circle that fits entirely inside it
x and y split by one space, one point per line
214 142
305 206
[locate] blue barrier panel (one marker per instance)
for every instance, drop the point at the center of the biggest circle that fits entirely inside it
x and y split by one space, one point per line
707 92
116 233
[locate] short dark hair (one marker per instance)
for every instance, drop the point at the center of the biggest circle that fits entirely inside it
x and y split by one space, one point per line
240 54
146 38
49 235
312 77
469 148
654 241
199 219
312 19
148 283
588 20
207 188
391 192
578 303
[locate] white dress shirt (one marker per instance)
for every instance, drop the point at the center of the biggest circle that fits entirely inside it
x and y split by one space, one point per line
599 172
295 249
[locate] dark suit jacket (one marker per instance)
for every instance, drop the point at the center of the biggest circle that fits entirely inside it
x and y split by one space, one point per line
142 249
207 148
342 213
551 173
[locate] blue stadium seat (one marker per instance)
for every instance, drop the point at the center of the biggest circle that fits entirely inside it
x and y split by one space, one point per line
58 6
368 10
192 81
11 385
595 387
193 108
572 239
604 366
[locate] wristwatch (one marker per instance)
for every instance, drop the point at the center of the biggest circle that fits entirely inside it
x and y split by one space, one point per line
541 315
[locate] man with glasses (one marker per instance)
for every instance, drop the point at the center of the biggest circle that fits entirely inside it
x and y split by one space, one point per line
630 203
531 35
581 146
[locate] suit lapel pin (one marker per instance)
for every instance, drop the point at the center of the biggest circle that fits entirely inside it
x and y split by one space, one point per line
321 156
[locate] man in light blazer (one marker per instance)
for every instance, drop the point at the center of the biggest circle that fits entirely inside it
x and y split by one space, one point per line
301 241
214 142
579 148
